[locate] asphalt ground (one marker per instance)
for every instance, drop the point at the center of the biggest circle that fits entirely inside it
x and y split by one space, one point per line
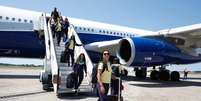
22 84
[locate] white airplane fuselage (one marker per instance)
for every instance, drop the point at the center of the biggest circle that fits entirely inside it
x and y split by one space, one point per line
18 38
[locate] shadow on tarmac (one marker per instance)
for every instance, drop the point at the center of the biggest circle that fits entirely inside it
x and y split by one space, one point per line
22 94
147 82
80 95
7 76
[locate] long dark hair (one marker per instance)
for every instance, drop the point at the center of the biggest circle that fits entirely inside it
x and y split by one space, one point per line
103 53
79 58
105 66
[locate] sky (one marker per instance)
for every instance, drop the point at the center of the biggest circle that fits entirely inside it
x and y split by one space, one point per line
151 15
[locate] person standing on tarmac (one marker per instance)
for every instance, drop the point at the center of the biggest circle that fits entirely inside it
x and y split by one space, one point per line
117 71
185 73
104 75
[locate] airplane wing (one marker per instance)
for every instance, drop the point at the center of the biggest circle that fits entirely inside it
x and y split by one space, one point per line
187 38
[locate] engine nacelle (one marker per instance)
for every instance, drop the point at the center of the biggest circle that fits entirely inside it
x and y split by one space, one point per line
126 51
144 51
140 51
137 51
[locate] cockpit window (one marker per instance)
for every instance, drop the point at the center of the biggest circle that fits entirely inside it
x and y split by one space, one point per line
13 19
7 18
31 21
25 20
19 20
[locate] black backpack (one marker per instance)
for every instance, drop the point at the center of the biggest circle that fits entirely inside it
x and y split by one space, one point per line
70 80
94 73
115 71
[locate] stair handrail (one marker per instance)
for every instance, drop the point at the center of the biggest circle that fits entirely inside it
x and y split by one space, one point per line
46 35
53 58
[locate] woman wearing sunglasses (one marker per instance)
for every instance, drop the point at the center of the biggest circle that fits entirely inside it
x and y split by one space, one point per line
104 76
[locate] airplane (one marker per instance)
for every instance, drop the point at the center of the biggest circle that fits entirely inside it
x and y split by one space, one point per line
134 47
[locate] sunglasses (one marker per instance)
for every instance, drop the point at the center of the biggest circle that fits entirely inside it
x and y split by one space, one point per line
106 54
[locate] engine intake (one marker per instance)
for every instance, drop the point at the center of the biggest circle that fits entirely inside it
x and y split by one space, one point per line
126 51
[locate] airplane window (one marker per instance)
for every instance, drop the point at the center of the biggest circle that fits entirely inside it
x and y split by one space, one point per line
103 31
99 31
25 20
1 17
110 32
13 19
84 28
75 27
7 18
107 32
31 21
80 28
19 20
88 29
92 30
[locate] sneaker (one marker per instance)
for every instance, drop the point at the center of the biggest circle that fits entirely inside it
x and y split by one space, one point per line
76 91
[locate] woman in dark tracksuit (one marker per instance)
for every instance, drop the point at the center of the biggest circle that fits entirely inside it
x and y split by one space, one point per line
117 71
79 69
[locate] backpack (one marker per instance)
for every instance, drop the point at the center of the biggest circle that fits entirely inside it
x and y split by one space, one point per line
94 73
115 71
70 80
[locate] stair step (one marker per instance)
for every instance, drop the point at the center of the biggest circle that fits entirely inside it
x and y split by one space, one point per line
62 64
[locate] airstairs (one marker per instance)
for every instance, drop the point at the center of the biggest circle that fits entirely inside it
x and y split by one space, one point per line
55 73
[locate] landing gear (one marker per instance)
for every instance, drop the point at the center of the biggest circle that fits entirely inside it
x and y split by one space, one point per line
164 74
160 75
140 72
154 75
46 80
175 76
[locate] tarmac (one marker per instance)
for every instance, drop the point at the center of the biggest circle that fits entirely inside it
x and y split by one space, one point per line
22 84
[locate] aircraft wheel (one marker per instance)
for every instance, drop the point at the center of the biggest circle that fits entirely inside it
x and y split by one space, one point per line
140 74
175 76
45 79
46 87
164 75
154 75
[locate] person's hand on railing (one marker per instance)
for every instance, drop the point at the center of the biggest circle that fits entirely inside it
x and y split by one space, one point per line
79 44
